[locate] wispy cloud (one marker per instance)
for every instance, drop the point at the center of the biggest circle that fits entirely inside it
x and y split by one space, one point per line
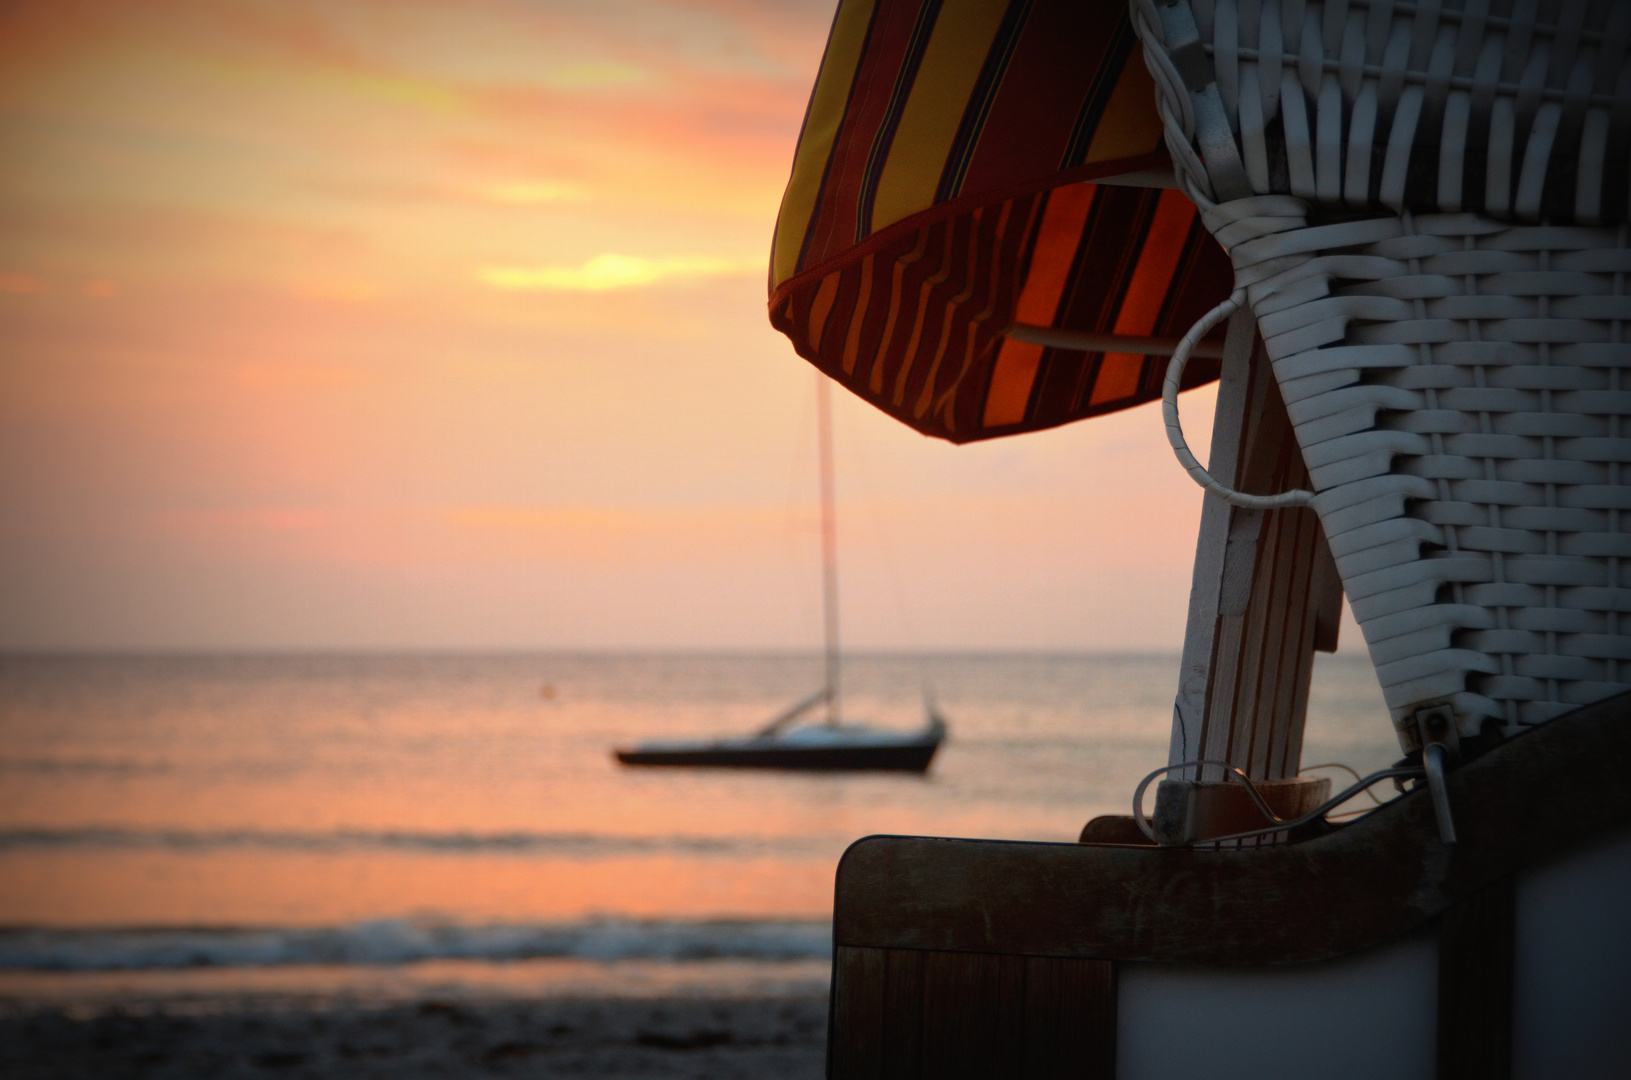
610 271
597 74
534 192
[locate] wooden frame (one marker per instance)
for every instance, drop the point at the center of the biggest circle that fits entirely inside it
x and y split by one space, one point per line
992 919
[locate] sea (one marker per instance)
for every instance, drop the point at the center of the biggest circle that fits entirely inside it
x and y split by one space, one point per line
206 829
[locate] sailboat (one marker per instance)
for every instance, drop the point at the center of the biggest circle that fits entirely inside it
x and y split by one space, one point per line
833 744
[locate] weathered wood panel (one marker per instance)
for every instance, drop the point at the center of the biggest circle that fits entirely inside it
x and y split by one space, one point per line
1475 968
1070 1019
857 1010
1359 886
960 1013
906 1014
901 1048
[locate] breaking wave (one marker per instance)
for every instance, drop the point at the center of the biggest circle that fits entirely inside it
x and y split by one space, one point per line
451 843
390 942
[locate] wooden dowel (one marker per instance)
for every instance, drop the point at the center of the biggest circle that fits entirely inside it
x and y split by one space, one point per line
1080 341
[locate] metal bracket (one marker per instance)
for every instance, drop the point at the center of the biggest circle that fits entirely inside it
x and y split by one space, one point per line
1440 752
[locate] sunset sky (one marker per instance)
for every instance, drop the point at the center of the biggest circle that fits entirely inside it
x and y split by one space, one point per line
342 323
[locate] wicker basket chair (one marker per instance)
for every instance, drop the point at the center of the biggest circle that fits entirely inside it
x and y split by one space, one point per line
1425 206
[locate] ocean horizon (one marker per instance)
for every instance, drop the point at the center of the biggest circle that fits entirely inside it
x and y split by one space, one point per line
353 822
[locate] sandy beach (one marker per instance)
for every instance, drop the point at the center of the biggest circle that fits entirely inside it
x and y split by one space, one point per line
609 1038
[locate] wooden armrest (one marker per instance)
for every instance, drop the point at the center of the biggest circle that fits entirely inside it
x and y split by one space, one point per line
1384 875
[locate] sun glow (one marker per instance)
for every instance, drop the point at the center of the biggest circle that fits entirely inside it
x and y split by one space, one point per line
535 192
610 271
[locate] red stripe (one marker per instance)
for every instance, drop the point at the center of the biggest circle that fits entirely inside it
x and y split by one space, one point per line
1031 118
833 228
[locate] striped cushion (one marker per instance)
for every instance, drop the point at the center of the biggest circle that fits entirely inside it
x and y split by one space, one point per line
941 193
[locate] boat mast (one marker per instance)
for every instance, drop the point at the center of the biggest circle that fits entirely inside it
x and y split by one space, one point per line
829 544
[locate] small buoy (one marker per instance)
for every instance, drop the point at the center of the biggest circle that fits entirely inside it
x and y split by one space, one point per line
547 691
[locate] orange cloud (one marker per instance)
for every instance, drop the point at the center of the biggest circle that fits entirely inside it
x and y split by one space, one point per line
21 284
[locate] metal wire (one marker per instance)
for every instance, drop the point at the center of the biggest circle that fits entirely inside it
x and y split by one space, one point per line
1351 771
1175 431
1280 824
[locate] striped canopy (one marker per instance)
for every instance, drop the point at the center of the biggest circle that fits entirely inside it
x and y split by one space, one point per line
942 249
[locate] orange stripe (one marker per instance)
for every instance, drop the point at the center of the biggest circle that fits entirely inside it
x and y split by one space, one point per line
1120 373
820 308
852 342
1055 254
1011 379
1157 261
1118 377
1056 246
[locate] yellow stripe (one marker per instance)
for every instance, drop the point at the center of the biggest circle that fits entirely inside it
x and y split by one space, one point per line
942 405
1130 126
897 278
820 131
930 284
927 396
951 64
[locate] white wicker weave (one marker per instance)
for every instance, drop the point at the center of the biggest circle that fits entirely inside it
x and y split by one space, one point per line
1510 107
1460 386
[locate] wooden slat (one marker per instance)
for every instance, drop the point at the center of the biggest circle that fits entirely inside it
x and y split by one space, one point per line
970 1016
855 1018
1012 1000
1289 639
1270 592
1201 629
1475 964
1257 575
1359 886
1242 422
901 1052
1265 593
1070 1019
961 1010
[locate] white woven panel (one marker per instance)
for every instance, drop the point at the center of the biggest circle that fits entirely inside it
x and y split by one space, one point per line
1516 108
1461 391
1460 386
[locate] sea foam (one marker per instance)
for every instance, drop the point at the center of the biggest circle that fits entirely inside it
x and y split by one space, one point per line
387 942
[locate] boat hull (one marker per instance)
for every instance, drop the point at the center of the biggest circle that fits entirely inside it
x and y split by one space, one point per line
902 757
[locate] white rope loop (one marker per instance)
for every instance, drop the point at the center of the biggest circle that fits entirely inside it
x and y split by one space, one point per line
1175 431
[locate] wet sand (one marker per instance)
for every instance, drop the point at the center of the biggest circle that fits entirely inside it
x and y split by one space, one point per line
780 1037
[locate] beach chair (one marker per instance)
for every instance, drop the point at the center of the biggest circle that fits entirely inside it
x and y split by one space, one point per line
1371 950
1398 233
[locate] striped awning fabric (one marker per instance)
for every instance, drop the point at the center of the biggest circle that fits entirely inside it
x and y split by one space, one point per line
942 248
